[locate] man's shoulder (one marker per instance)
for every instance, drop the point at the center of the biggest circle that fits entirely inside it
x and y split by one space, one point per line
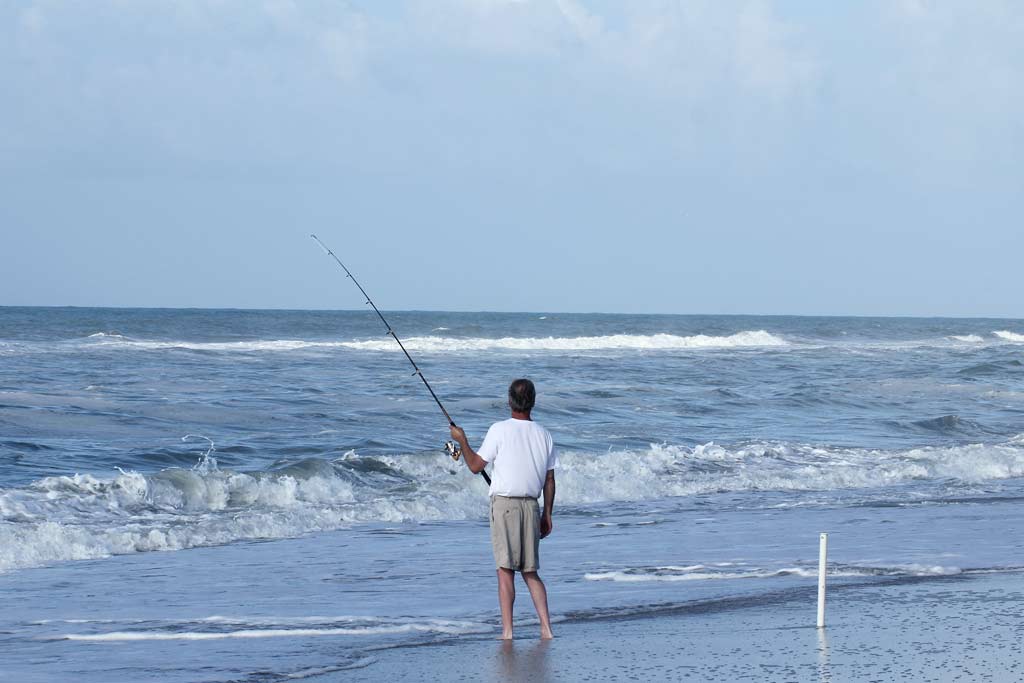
540 429
506 426
499 429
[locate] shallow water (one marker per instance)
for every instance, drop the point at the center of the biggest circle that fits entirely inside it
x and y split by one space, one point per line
701 457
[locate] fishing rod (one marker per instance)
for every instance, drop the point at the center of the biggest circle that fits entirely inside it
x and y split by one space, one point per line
450 447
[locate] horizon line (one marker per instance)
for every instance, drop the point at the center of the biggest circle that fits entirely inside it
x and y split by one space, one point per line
948 316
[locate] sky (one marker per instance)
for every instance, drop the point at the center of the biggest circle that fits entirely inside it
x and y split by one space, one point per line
742 157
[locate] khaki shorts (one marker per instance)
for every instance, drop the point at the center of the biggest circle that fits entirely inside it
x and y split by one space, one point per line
515 533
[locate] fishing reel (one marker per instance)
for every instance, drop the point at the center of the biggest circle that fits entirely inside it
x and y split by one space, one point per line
453 449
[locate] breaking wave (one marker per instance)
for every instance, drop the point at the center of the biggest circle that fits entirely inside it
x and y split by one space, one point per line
101 341
666 471
433 343
1010 336
754 338
87 517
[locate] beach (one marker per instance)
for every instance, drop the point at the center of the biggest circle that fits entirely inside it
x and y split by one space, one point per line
256 613
261 496
950 629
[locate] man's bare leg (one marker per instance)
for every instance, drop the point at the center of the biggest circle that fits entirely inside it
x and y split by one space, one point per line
506 598
540 601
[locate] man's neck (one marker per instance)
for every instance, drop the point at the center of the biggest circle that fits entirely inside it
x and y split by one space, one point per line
516 415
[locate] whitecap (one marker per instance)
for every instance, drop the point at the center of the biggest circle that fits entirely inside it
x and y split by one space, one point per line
655 342
1006 335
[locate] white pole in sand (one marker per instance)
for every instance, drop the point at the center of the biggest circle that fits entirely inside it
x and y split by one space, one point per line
822 555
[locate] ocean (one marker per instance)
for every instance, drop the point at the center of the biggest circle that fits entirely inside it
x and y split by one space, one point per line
239 495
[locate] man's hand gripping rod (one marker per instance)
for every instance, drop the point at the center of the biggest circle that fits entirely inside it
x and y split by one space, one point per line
450 447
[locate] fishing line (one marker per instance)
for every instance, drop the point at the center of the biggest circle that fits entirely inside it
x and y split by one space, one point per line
450 447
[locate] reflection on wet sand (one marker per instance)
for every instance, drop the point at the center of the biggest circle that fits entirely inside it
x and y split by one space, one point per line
824 672
523 660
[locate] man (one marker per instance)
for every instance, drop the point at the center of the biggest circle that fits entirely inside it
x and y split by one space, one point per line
524 460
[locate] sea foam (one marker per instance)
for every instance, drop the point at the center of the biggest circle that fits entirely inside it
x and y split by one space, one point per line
249 346
752 339
87 517
111 341
1006 335
355 626
702 573
654 342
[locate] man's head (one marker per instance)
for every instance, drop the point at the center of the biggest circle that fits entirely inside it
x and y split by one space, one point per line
521 396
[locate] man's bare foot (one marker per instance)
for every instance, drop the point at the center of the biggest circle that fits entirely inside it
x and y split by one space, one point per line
546 634
507 635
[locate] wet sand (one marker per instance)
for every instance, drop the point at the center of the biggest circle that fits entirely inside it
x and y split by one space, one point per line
937 629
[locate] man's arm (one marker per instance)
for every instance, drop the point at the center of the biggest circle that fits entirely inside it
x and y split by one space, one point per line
474 462
546 525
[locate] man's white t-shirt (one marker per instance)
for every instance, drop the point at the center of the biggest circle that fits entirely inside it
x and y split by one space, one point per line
522 452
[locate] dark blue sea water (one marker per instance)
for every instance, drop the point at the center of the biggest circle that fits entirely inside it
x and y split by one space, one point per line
701 455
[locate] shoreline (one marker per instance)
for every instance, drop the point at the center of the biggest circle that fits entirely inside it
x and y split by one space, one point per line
926 629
